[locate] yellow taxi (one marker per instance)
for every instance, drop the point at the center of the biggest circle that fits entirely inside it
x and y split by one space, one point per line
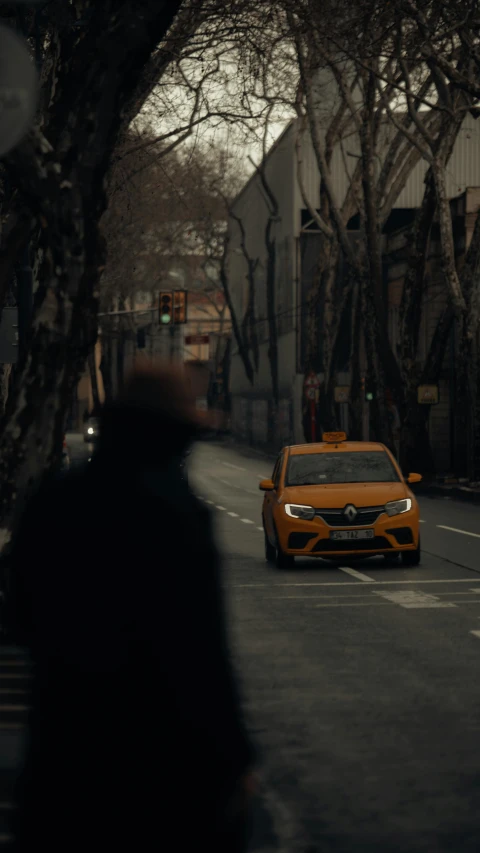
338 499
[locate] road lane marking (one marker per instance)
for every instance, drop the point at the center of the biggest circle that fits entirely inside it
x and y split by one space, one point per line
233 514
476 634
355 574
247 521
411 599
237 467
260 529
262 477
456 530
209 502
314 597
422 521
342 583
360 604
222 508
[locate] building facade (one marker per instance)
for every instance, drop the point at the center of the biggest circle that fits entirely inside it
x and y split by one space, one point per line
297 247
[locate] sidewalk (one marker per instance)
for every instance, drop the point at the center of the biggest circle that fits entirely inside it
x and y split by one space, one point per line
452 491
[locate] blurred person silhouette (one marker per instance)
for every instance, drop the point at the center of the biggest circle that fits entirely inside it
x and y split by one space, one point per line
136 735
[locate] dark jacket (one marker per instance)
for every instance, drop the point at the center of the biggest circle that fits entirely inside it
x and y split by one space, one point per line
136 732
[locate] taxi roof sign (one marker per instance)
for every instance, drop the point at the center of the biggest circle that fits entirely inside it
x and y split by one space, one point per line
334 437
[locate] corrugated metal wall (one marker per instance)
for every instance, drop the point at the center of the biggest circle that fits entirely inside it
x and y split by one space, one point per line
463 169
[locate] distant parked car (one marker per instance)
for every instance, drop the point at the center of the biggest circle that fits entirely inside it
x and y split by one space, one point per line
91 430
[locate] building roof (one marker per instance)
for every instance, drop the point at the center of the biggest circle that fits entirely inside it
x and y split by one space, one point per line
270 151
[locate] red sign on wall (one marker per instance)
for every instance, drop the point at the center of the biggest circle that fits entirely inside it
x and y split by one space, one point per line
197 340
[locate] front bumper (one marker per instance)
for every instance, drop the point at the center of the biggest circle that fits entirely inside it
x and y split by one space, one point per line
392 534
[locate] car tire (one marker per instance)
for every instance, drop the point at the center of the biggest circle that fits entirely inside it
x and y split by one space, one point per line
412 558
284 561
390 559
270 551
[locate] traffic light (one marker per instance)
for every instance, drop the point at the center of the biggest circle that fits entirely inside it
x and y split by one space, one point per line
166 309
180 307
367 389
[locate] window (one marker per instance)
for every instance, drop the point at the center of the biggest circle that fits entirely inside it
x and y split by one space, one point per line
277 471
315 469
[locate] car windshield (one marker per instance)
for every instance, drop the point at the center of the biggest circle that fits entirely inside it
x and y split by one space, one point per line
314 469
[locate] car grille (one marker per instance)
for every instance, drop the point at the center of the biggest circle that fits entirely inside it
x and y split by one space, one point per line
366 516
379 543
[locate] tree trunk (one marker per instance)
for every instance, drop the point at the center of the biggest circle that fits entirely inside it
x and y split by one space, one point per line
446 237
60 177
416 451
271 309
237 332
469 351
332 315
356 403
121 359
379 420
5 371
413 285
106 367
92 368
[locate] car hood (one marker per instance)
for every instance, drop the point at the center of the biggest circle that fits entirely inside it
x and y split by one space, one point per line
337 495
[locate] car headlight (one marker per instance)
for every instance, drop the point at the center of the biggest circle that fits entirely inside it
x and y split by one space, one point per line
90 431
299 511
397 507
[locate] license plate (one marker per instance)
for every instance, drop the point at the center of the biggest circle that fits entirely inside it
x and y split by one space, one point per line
352 534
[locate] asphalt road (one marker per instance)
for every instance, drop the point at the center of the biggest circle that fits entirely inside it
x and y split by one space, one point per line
361 682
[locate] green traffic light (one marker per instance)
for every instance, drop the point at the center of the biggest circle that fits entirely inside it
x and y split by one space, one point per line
165 318
369 396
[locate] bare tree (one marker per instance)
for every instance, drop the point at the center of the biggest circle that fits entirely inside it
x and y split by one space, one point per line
58 174
395 109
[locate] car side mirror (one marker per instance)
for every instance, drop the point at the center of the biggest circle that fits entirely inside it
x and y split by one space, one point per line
414 478
266 486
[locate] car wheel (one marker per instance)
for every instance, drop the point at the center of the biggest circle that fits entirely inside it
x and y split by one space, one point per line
412 558
390 559
270 551
284 561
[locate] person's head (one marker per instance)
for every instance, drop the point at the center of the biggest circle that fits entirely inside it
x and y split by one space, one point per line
154 414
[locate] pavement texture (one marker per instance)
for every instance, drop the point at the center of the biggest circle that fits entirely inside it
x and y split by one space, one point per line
360 680
357 679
